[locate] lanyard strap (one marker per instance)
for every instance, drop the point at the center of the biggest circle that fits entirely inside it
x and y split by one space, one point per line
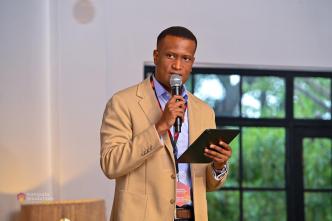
176 134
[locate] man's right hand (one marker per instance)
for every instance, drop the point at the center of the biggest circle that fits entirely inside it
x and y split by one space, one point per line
175 107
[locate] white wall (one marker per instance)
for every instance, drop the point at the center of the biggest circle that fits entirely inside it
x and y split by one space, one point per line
258 32
58 69
287 33
81 96
24 130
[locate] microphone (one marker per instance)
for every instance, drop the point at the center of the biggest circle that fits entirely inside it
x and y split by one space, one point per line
176 84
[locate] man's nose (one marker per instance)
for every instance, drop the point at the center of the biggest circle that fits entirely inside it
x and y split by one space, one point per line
177 64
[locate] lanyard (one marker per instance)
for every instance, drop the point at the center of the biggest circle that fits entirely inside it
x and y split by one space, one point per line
176 134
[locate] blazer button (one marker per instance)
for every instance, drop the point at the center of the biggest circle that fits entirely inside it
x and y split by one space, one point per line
173 176
172 201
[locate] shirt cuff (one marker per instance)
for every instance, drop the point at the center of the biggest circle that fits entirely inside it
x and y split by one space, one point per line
219 174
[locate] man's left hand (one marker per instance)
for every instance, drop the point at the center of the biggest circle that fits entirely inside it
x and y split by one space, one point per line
219 154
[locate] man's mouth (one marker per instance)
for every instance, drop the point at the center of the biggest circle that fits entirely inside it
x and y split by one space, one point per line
176 73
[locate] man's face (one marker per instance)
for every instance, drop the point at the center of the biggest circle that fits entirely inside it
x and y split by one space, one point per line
173 55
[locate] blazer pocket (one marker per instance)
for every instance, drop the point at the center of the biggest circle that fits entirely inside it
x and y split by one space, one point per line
130 204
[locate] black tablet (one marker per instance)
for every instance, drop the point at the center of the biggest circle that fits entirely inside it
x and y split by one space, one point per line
195 152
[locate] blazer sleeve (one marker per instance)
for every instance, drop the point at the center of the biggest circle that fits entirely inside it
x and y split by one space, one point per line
211 183
121 150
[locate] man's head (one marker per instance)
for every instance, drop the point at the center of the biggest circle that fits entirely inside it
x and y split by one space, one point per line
177 31
175 53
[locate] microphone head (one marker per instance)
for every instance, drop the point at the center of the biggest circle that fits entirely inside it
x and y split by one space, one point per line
176 80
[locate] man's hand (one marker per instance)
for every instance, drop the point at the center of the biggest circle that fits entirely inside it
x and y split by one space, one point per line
220 154
175 107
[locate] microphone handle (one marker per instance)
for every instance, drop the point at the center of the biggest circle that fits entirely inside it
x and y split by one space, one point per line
178 125
178 120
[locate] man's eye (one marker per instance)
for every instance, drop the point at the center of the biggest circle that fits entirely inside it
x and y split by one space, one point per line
170 56
187 59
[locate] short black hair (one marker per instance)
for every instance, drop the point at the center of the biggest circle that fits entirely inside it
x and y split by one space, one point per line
177 31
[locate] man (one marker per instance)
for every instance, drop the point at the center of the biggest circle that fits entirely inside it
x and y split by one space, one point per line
139 145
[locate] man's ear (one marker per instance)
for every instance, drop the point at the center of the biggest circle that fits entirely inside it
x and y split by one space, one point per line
155 56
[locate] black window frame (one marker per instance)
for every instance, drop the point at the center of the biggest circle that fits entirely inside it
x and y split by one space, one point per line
293 156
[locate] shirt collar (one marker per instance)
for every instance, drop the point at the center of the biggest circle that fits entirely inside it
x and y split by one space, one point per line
162 92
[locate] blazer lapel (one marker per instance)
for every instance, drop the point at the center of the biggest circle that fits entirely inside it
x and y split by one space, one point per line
150 107
194 119
148 101
194 115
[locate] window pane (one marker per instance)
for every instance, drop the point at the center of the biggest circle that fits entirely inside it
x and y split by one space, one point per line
263 97
220 91
263 157
318 206
233 175
317 163
188 84
264 206
223 205
312 98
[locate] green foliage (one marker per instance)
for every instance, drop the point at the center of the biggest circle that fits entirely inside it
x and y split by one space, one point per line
317 159
263 157
224 205
317 173
267 97
263 150
233 178
221 92
312 98
318 206
264 206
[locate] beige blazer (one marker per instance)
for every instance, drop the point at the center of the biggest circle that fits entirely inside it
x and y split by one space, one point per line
142 166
